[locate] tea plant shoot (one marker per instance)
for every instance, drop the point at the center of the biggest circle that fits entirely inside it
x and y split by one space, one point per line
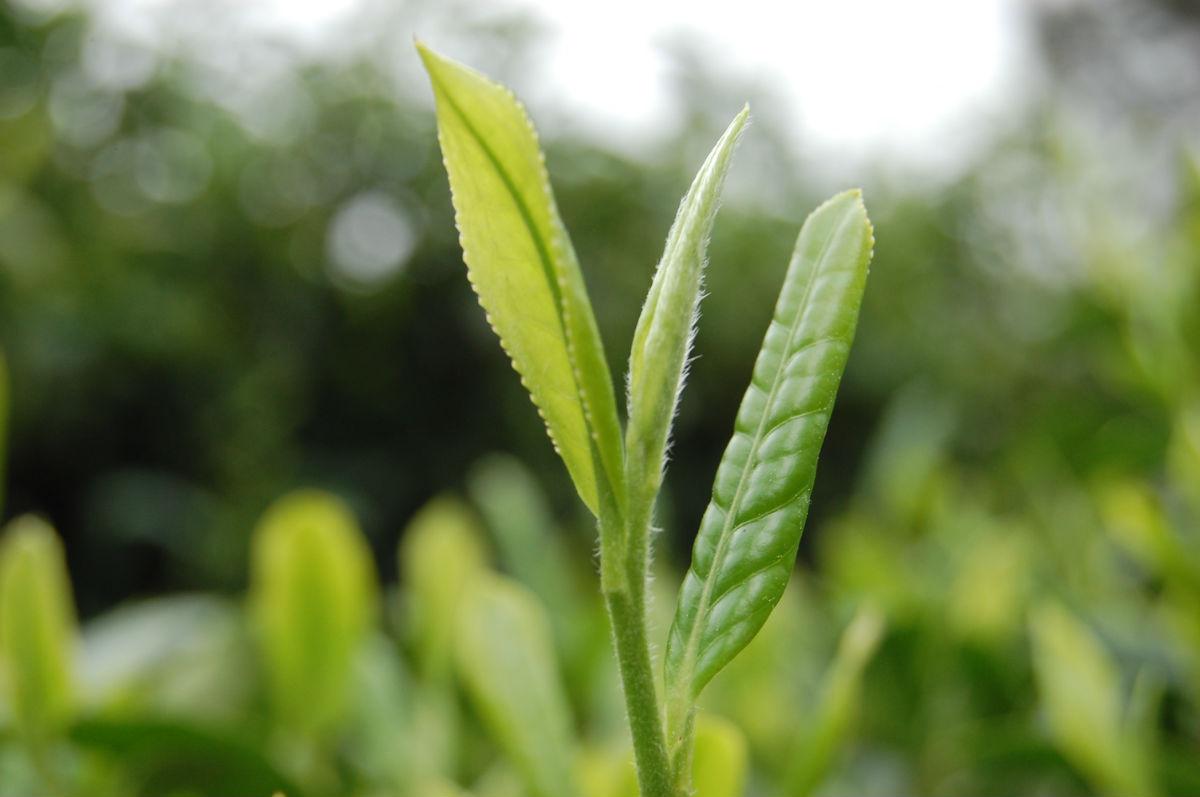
528 279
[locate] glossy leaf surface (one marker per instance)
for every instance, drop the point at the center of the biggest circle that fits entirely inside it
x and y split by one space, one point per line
37 629
505 655
523 268
663 338
746 546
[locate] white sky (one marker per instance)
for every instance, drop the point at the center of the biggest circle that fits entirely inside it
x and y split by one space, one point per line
861 74
863 77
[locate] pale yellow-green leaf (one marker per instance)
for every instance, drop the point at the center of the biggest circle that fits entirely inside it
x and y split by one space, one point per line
988 592
719 759
505 656
607 772
1081 694
663 337
441 555
314 599
438 788
523 267
1132 514
37 629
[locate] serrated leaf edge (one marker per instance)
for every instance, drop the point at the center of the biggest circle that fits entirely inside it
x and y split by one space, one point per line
551 253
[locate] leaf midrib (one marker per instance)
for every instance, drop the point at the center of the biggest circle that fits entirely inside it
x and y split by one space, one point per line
674 240
546 261
691 650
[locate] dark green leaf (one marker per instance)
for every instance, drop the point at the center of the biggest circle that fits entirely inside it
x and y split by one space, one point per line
171 756
746 546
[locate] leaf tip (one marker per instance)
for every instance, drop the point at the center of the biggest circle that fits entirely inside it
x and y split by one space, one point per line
427 55
437 66
739 122
853 197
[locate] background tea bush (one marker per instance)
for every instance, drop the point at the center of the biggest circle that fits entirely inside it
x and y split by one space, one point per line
1011 481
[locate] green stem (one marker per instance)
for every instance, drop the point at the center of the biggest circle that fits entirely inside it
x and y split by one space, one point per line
627 613
641 699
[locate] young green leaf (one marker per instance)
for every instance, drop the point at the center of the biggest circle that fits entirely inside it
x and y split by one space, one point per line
313 594
746 546
37 629
523 268
506 657
664 332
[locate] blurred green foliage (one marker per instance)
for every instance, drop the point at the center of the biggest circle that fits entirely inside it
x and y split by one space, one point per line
314 600
505 657
37 631
201 314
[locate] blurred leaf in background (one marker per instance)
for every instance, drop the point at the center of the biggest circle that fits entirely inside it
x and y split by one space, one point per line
719 763
228 269
1082 694
314 596
828 725
441 557
37 632
505 653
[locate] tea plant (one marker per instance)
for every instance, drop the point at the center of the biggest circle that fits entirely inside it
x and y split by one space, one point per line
523 268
